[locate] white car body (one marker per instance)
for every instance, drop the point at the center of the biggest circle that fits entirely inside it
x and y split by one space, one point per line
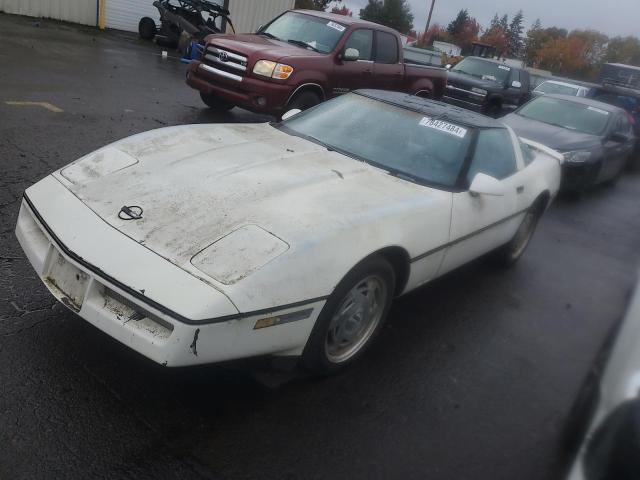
281 220
620 381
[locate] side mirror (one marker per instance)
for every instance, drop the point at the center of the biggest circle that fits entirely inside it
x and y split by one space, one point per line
618 137
291 113
351 55
484 184
516 84
448 66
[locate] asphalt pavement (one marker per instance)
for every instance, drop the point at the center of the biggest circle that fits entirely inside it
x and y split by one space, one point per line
471 378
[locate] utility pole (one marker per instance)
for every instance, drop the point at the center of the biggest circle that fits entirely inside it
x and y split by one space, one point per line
433 2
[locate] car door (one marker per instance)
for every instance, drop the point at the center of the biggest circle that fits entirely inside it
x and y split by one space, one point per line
513 96
387 69
616 153
481 223
351 75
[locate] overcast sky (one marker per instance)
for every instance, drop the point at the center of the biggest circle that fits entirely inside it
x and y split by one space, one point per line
613 17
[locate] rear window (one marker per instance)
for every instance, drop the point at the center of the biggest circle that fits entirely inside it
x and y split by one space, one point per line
386 48
548 87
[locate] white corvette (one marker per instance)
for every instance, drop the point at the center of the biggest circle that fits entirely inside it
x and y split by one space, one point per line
203 243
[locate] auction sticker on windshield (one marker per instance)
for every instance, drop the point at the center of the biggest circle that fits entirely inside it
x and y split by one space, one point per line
443 126
336 26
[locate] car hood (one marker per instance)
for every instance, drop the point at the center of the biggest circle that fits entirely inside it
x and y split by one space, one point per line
254 46
552 136
196 184
467 82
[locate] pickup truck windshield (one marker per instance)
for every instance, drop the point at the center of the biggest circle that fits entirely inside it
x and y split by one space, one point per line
405 143
483 69
317 33
566 114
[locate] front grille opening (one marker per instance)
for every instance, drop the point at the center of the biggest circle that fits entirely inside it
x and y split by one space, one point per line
135 316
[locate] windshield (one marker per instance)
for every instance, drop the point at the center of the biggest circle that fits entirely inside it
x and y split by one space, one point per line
405 143
483 69
549 87
566 114
317 33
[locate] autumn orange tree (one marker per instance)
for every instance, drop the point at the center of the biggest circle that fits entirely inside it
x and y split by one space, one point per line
562 55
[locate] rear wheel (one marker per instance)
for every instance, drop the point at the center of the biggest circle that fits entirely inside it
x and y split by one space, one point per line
213 101
351 318
147 28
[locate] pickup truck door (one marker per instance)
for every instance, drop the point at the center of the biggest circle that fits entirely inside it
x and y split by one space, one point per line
388 72
514 94
481 223
351 75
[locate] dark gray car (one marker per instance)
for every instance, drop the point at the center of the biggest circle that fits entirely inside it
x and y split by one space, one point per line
596 139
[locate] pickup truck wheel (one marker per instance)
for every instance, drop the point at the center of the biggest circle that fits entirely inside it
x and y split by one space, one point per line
492 110
215 102
304 100
147 28
351 318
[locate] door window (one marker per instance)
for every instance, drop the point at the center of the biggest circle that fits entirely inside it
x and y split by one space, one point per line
361 40
494 155
386 48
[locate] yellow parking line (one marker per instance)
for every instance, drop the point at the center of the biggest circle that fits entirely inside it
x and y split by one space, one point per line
49 106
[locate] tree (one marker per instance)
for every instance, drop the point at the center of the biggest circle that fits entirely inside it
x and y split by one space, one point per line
456 26
562 56
533 42
395 14
427 38
497 37
342 11
624 50
504 22
313 4
514 35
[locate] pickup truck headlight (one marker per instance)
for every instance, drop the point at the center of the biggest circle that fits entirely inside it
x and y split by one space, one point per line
479 91
577 156
267 68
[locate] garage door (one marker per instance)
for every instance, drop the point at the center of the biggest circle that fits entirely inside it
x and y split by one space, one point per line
125 14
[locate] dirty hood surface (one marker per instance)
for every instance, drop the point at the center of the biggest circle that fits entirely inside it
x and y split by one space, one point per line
197 183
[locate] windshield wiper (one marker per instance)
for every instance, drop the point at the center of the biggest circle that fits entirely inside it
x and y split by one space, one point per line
300 43
269 35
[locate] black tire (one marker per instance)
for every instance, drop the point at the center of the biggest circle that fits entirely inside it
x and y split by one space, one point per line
214 102
304 100
317 357
147 28
507 255
492 109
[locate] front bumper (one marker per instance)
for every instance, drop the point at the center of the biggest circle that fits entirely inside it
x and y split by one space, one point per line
578 176
160 321
260 96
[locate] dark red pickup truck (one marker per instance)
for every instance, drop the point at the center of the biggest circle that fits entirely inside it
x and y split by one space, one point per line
304 57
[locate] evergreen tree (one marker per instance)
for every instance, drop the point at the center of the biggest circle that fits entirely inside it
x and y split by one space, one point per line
514 35
458 24
392 13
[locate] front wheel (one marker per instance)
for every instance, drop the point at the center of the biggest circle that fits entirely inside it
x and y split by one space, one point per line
304 100
509 254
351 318
215 102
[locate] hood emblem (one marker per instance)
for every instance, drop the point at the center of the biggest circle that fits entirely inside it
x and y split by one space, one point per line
223 56
132 212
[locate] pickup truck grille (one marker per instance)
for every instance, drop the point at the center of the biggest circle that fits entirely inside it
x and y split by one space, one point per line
461 93
224 59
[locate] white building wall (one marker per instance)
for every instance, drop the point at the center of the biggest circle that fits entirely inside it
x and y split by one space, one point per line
248 15
76 11
126 14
